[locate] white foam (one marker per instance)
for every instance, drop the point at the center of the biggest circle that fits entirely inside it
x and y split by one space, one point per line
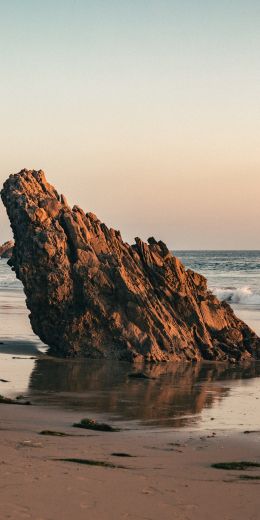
240 295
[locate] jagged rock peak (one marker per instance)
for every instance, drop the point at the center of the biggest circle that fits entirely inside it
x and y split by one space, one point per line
91 294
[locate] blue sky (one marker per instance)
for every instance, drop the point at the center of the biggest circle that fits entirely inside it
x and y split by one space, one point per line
146 113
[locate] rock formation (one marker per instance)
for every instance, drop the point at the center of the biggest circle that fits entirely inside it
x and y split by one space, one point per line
91 294
6 249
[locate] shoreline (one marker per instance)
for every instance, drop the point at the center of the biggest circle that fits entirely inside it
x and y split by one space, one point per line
168 476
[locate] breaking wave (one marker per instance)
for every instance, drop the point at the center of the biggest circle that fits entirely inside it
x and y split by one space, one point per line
7 278
240 295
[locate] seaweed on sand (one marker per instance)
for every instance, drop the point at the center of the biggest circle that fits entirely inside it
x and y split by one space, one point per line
54 433
121 454
91 462
90 424
240 465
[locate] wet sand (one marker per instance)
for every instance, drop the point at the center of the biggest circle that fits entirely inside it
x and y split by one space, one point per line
169 475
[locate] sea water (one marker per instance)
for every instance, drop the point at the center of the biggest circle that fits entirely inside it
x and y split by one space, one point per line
178 395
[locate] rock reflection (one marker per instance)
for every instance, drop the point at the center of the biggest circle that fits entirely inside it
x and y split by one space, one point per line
176 395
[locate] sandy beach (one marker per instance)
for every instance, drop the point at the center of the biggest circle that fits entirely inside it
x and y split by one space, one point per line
168 476
166 426
129 260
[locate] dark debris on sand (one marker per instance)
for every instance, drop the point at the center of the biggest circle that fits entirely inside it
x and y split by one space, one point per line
90 462
240 465
90 424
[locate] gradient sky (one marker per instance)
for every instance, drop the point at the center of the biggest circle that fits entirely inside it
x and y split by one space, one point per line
145 112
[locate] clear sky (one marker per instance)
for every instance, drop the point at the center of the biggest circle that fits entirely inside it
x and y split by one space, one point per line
145 112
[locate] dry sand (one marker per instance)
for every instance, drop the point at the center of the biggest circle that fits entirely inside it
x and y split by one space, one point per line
169 476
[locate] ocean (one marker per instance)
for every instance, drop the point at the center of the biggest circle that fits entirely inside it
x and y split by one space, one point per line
180 395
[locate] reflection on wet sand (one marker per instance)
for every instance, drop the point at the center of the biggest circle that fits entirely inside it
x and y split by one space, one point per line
175 396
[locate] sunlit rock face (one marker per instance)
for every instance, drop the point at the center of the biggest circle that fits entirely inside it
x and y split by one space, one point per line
91 294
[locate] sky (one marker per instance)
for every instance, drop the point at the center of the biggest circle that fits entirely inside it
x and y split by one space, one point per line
146 113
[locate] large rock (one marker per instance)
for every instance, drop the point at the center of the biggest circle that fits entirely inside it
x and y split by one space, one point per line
91 294
6 249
